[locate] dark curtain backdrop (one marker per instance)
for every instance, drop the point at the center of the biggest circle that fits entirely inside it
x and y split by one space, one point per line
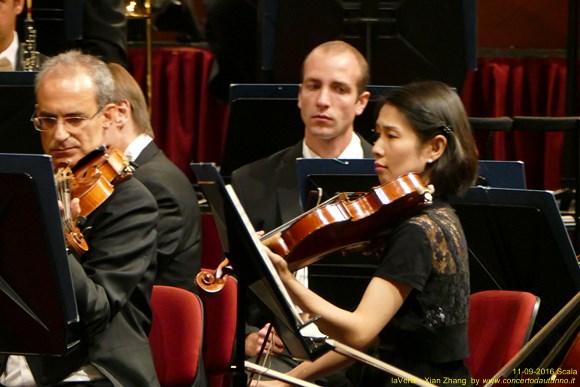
521 87
190 123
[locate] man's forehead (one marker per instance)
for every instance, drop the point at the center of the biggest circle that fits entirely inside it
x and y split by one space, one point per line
336 68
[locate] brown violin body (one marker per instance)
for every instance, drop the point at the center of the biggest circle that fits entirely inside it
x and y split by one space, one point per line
348 224
96 176
92 181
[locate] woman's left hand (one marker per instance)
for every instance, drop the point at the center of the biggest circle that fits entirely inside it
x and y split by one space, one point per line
281 266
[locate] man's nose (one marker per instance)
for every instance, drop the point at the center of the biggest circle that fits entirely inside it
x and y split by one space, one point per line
60 132
323 97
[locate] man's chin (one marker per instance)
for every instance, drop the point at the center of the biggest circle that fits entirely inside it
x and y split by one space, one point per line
323 132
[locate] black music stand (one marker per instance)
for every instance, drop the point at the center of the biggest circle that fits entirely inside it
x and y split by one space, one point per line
326 177
502 174
16 129
518 241
37 300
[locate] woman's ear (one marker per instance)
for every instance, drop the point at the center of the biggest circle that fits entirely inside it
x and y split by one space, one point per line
435 147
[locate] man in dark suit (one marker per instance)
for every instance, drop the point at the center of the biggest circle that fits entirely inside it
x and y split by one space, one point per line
179 223
332 93
114 278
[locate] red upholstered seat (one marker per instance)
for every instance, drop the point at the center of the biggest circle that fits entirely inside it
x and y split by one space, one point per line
176 335
220 330
500 323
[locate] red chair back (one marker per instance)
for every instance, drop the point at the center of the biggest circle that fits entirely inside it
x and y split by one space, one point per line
176 335
500 323
221 310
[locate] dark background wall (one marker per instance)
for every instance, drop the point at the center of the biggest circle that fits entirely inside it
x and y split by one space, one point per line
522 24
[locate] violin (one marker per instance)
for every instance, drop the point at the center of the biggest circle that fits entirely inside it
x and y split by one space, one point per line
92 181
347 224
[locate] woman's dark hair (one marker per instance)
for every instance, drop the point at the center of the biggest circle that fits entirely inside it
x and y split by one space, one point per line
433 108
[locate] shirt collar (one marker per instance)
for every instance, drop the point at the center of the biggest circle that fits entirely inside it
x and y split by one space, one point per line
137 145
353 150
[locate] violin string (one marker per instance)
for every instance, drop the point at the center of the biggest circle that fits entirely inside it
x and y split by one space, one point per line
294 220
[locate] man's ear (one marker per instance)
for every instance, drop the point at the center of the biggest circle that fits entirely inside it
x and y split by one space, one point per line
18 6
123 111
362 101
110 113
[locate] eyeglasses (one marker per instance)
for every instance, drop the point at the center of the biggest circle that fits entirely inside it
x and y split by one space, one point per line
48 124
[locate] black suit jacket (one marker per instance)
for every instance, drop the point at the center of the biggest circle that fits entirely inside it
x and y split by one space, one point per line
269 190
112 283
179 223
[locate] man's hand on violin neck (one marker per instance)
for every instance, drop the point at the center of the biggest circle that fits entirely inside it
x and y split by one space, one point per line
75 208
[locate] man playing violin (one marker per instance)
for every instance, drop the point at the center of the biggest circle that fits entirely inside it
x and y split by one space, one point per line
114 278
179 222
332 93
415 306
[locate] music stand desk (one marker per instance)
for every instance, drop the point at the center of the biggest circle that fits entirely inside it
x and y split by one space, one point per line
503 174
16 130
37 300
518 241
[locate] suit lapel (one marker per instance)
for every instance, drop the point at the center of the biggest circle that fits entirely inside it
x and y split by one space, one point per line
287 183
367 148
147 154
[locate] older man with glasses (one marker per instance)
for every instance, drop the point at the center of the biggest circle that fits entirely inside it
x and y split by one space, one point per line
114 278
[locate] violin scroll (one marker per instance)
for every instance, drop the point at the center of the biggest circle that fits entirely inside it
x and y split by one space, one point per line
212 281
76 241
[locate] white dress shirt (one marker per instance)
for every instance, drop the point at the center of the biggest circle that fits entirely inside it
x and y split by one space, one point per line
11 52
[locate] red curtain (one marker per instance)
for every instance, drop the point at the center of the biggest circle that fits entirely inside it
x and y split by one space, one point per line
189 122
521 87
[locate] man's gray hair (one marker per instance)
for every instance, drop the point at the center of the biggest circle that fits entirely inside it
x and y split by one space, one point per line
70 62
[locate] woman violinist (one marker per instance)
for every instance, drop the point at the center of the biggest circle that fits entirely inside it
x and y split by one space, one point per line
415 306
